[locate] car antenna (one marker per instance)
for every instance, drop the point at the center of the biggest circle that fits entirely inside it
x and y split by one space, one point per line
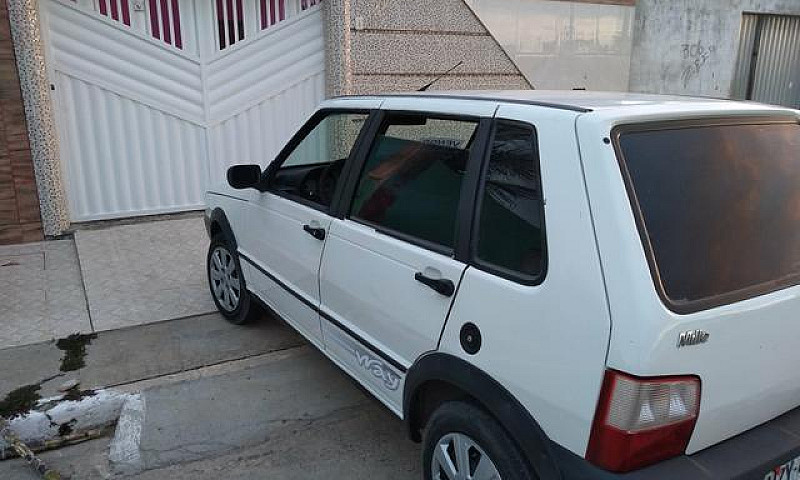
428 85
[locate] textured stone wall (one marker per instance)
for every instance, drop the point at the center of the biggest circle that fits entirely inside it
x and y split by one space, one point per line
35 85
376 46
690 46
20 220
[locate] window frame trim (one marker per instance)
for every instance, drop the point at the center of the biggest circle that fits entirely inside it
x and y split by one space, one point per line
482 131
320 115
707 303
489 267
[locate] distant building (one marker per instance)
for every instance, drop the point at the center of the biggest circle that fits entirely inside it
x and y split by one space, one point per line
743 49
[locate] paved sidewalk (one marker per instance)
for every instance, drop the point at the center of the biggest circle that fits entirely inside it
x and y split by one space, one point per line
108 277
144 272
41 293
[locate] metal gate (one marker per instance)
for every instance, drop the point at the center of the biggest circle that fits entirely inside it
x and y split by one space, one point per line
768 64
155 98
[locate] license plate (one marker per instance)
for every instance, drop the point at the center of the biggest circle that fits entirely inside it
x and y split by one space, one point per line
788 471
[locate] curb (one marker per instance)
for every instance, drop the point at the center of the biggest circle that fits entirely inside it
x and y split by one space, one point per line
57 421
123 454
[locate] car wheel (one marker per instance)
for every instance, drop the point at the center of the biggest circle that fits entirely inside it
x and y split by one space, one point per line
226 282
462 441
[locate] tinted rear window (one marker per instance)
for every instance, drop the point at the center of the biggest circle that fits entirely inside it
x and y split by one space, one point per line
720 207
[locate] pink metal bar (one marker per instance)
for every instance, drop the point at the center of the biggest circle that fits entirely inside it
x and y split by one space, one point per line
114 10
240 18
165 22
126 13
229 22
154 19
176 24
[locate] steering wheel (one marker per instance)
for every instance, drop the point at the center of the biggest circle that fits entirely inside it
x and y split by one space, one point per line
327 181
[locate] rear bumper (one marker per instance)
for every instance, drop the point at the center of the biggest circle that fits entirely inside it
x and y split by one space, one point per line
750 455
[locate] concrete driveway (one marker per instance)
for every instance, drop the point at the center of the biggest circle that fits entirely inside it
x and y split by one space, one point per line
144 272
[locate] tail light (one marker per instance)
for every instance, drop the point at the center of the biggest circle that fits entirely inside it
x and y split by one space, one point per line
640 421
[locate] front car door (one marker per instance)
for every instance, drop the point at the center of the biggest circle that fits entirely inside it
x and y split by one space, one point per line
389 273
286 224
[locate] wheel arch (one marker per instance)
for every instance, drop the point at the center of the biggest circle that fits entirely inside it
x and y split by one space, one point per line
218 223
438 377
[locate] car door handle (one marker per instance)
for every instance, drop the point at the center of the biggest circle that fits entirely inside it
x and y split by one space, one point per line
442 286
316 232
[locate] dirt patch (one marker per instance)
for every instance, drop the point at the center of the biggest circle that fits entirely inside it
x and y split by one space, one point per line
20 401
74 347
75 394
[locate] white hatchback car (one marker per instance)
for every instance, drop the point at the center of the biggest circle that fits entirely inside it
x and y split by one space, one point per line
541 284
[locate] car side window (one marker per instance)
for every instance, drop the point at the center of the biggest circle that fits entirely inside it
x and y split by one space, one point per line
410 184
510 228
311 171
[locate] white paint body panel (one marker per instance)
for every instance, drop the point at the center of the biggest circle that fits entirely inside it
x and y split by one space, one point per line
747 367
381 379
292 257
367 282
547 343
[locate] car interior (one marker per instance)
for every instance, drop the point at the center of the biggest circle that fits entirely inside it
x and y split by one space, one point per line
314 182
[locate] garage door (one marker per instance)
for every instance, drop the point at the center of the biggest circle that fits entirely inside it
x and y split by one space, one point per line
155 98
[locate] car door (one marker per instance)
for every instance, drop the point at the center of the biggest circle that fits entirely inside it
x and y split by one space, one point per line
389 273
287 223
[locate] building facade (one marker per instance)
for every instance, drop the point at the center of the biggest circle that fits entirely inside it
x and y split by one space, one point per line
743 49
119 108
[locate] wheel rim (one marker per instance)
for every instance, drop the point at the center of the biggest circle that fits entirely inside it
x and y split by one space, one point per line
224 277
458 457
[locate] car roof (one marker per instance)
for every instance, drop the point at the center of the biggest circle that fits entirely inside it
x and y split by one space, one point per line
582 101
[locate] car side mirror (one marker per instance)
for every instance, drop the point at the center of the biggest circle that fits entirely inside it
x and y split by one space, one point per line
244 176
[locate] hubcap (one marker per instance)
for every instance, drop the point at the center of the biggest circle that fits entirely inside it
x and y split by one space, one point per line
458 457
224 279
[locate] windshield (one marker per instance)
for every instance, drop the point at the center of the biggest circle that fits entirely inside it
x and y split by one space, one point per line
719 208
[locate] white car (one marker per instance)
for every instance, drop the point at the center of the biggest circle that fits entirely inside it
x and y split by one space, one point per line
541 284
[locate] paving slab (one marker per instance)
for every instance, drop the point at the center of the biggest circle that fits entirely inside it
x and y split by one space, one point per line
41 293
132 354
144 272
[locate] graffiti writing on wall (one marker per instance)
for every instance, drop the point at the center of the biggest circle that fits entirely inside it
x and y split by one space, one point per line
693 57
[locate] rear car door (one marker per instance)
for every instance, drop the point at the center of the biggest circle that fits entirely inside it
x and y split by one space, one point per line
286 225
534 288
388 275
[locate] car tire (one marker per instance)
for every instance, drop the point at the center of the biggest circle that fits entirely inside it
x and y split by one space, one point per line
464 427
226 282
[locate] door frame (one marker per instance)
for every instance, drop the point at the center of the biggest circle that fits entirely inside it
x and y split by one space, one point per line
469 188
367 131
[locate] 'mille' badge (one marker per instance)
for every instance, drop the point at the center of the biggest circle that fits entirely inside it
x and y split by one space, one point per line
692 337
